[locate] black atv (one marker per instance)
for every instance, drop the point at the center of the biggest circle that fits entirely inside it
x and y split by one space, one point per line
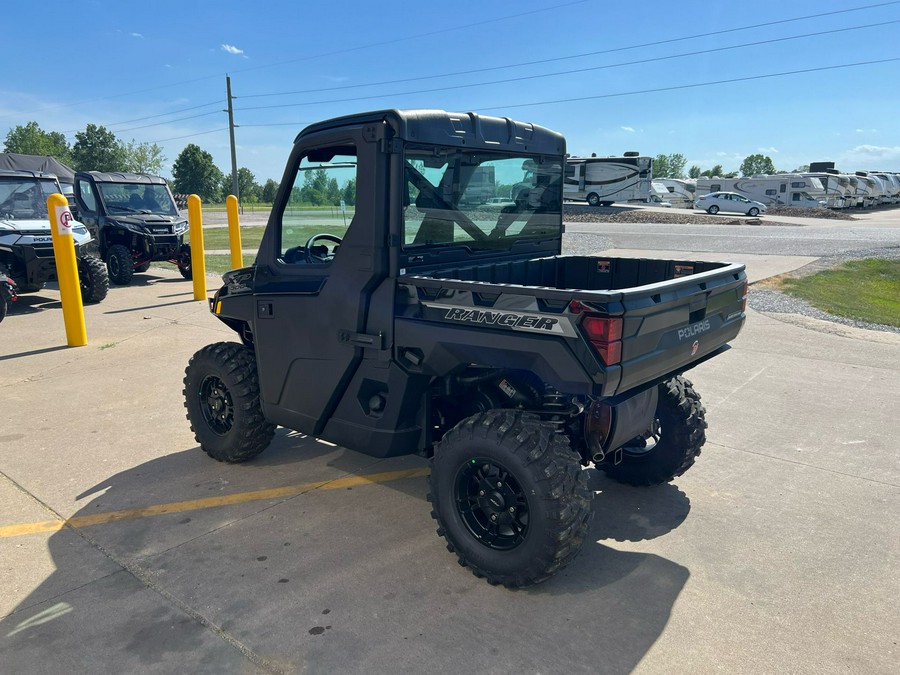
134 220
26 245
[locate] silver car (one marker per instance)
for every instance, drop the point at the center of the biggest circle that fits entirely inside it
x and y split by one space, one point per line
729 201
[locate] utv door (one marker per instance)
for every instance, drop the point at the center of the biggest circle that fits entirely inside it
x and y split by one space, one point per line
312 294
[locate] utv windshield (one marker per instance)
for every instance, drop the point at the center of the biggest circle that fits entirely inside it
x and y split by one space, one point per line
25 198
480 199
137 198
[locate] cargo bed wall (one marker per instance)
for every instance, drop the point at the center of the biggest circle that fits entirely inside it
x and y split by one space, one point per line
591 273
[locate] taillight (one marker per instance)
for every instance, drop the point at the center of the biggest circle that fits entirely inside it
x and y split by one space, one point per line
744 298
605 333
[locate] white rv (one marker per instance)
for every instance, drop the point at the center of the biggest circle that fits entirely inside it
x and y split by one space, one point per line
789 189
681 192
868 191
600 181
839 193
891 186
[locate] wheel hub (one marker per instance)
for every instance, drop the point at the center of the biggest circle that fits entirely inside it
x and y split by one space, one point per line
492 504
216 404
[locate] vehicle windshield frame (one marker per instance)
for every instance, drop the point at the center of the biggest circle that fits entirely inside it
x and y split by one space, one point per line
37 207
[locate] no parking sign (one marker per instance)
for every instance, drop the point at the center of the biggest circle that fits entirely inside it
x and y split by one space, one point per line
63 220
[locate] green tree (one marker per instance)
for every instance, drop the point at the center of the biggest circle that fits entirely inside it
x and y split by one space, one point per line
195 173
694 172
248 188
661 166
754 164
30 139
144 158
717 170
803 168
269 190
349 192
98 149
669 166
315 188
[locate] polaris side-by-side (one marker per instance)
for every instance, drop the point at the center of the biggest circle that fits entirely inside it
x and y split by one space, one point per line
134 220
26 244
389 314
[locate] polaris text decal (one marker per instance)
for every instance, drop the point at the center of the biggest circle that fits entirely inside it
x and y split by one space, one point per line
693 329
537 323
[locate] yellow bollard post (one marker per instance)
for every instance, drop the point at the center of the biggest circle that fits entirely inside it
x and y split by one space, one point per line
234 232
67 269
198 261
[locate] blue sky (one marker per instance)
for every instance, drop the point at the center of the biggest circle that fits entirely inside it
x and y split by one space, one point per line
155 72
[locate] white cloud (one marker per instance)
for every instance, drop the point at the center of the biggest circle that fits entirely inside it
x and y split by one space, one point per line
231 49
137 35
630 130
767 150
873 152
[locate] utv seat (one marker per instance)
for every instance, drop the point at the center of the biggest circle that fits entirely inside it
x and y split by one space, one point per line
434 228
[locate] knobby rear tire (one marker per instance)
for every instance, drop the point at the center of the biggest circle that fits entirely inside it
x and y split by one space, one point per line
681 427
543 483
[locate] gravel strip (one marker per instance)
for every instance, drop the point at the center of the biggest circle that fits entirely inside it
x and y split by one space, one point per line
764 299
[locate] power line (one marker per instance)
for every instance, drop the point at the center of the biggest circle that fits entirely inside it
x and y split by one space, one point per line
150 117
690 86
484 22
310 57
574 56
577 70
180 119
198 133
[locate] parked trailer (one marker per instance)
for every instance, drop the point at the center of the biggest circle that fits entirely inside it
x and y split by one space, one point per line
892 185
868 191
837 188
789 189
600 181
682 193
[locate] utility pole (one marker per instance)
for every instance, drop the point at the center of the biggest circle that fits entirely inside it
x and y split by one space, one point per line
234 169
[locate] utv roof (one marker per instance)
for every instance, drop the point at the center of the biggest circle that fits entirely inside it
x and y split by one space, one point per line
438 127
4 173
14 161
143 178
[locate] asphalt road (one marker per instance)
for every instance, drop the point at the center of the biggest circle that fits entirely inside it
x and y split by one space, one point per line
123 548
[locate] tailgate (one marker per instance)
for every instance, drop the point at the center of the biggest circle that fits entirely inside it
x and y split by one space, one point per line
672 325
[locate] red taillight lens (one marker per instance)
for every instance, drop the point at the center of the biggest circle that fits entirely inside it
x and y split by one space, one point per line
605 333
744 298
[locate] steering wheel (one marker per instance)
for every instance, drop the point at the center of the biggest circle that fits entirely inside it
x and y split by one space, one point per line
327 257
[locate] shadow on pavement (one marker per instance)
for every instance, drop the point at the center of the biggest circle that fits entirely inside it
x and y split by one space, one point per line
159 586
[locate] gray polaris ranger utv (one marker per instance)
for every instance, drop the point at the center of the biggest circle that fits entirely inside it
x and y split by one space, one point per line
390 313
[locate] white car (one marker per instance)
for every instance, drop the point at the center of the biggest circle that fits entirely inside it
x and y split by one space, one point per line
729 201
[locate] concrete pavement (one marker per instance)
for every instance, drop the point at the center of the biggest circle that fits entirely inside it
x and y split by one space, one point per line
778 552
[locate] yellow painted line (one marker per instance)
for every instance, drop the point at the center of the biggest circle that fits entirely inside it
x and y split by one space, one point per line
207 503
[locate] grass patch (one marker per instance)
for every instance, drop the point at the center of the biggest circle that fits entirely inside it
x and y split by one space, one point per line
864 290
217 238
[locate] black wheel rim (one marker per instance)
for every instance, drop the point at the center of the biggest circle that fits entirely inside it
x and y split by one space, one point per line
216 405
644 445
84 276
492 504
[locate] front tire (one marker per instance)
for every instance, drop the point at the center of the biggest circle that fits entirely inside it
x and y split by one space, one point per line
120 264
94 279
713 209
510 497
672 442
221 394
184 265
593 199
